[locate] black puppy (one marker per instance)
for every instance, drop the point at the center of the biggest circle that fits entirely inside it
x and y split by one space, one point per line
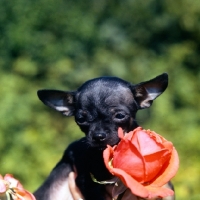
100 106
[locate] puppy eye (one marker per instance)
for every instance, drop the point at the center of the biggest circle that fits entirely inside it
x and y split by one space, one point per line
120 116
81 120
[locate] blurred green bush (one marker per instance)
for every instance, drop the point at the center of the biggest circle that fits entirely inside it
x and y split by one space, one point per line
60 44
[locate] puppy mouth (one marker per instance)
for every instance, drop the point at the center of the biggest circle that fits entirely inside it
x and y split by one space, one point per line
101 148
98 146
103 145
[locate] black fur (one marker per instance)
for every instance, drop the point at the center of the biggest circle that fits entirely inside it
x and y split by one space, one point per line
100 106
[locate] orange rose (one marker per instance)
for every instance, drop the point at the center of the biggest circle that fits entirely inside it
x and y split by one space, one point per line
11 188
144 161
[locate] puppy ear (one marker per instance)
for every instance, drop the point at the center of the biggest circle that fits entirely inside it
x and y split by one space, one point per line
58 100
146 92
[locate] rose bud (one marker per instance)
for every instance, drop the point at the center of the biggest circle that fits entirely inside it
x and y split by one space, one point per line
144 161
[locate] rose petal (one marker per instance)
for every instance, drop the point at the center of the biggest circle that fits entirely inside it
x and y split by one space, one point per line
169 172
168 145
159 192
133 137
120 133
154 163
108 155
131 157
2 187
135 187
13 182
130 135
144 138
24 194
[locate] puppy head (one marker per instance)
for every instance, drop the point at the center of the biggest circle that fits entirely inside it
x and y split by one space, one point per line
102 105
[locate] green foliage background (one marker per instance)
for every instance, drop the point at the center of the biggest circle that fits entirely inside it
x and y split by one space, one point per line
62 43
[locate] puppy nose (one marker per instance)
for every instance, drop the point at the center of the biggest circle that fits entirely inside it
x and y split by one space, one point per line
99 137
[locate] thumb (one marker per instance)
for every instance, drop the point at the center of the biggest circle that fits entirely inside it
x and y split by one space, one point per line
76 194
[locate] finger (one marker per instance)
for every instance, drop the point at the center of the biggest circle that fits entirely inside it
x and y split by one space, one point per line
76 194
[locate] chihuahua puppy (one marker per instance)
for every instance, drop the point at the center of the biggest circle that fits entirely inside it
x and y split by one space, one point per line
100 106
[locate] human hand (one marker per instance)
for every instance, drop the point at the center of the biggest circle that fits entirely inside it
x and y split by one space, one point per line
75 192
